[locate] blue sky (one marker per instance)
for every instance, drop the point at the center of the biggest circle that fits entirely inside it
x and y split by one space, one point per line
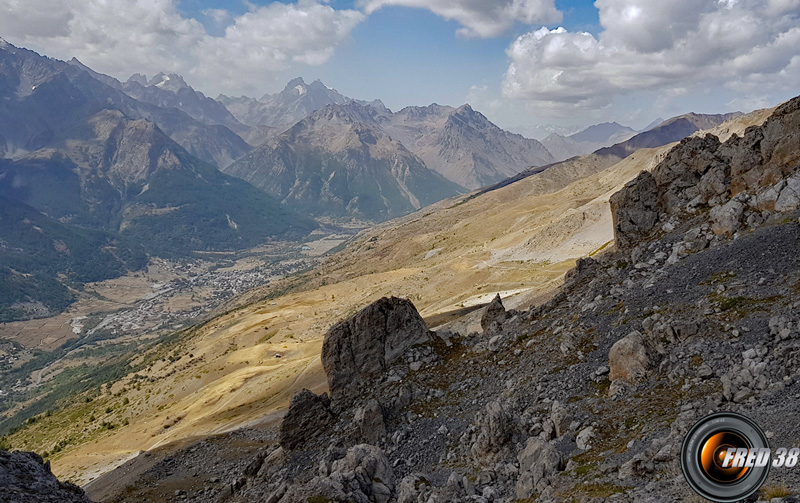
522 63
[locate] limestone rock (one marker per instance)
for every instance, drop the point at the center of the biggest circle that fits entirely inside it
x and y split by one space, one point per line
726 219
363 347
631 358
635 210
561 418
370 422
584 268
368 466
496 429
308 414
26 478
495 312
539 462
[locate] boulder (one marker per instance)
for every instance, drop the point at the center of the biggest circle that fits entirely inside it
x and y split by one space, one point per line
370 422
631 358
495 312
308 415
634 210
496 429
539 462
368 467
26 478
361 348
560 417
726 219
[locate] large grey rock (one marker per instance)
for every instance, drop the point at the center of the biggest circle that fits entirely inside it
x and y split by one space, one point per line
539 462
496 429
561 418
495 312
727 218
308 415
370 422
631 358
26 478
368 466
635 210
361 348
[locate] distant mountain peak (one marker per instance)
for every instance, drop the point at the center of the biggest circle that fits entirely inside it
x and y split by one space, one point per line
138 78
170 82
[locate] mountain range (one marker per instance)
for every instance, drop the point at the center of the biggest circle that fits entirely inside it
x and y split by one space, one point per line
338 161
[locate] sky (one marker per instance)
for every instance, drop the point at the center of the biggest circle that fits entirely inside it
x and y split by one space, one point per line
522 63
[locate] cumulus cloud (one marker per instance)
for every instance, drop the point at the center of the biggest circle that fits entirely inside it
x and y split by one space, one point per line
650 45
151 36
480 18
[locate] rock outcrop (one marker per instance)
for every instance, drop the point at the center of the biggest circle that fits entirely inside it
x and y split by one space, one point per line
26 478
495 312
360 349
743 176
308 414
539 462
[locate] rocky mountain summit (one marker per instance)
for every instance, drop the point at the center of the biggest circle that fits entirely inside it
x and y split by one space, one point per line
462 145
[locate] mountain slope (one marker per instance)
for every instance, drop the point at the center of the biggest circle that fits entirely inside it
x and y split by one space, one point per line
125 175
463 145
172 91
671 130
38 255
40 98
587 141
338 162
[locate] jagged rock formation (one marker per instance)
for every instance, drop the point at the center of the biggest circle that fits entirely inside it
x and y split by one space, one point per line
308 416
494 313
753 174
26 478
362 348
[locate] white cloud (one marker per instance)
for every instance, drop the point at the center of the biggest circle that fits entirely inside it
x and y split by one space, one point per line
670 47
151 35
480 18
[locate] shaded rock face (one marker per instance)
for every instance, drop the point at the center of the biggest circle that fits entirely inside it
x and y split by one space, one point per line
361 348
756 172
495 312
25 478
635 209
308 414
584 268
